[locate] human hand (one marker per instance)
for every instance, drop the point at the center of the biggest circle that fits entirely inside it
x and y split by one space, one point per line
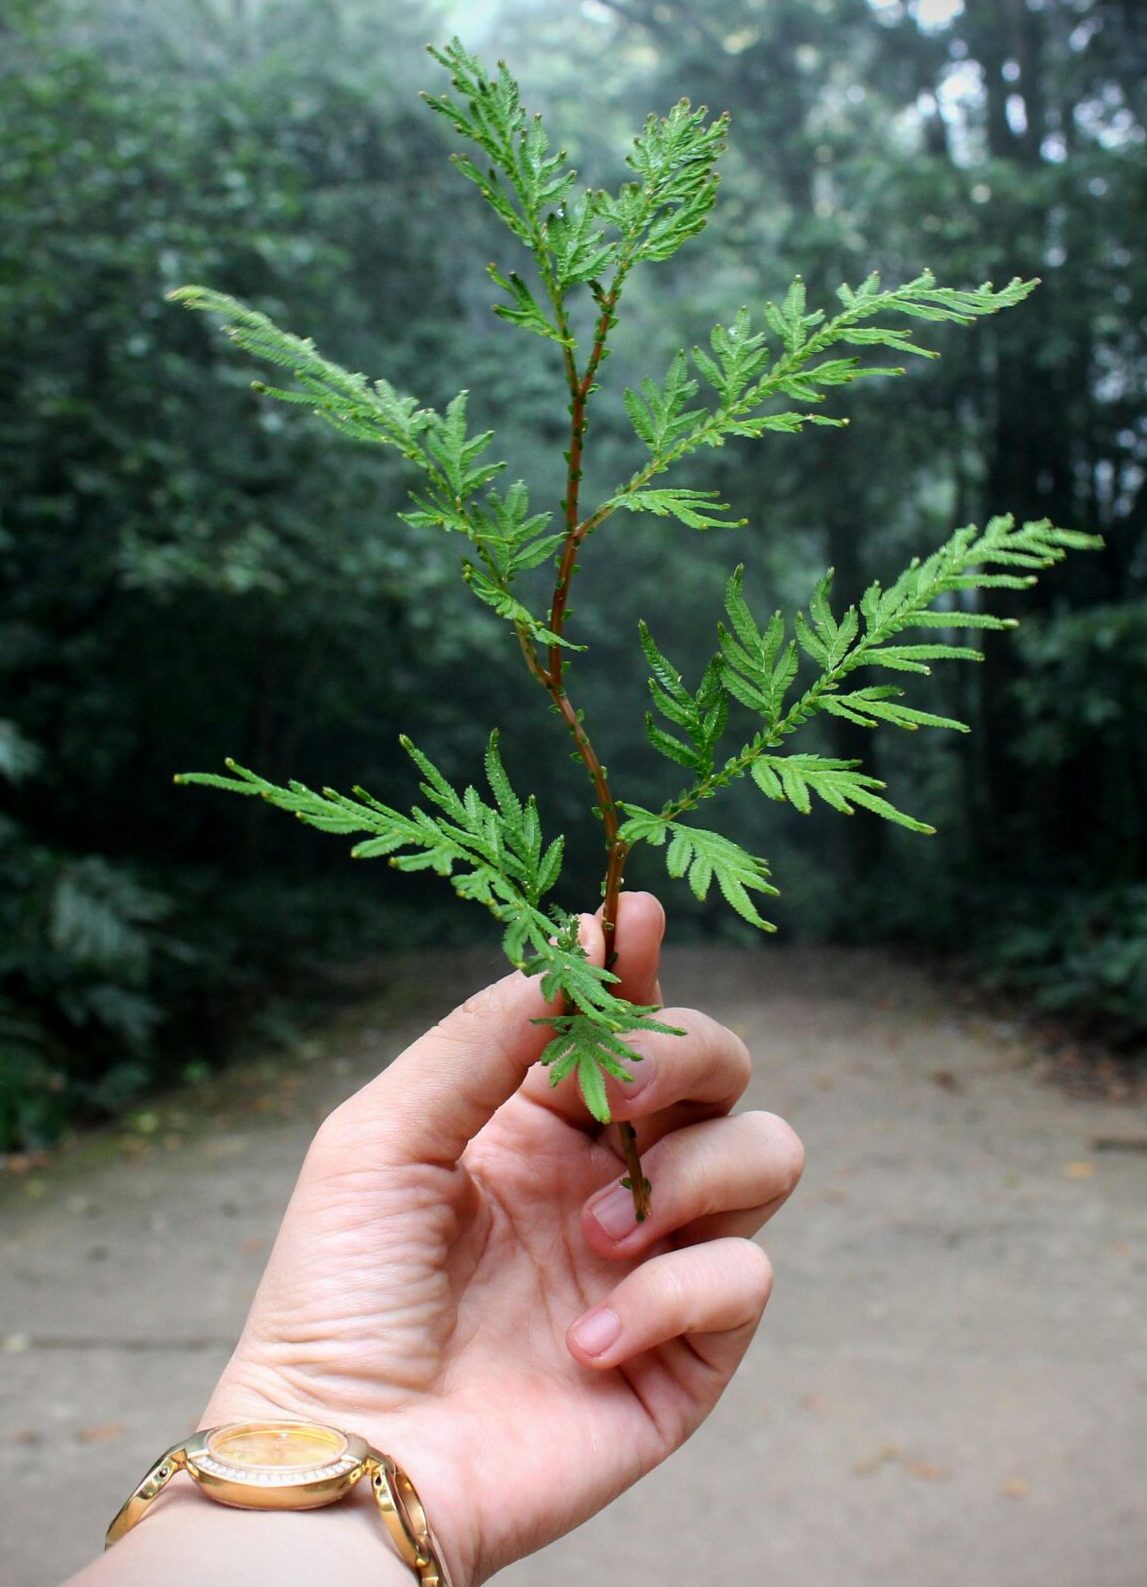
442 1284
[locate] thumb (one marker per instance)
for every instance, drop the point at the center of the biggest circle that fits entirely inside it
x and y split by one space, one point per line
433 1099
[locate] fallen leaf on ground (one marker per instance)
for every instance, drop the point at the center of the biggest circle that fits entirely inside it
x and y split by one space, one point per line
1078 1170
1015 1488
23 1162
886 1453
926 1471
101 1433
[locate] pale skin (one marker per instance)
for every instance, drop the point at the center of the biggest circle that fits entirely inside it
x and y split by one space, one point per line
459 1279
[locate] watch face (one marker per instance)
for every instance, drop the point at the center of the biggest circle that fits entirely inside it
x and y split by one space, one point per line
276 1464
277 1451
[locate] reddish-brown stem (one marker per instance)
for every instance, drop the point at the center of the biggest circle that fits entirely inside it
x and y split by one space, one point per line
552 677
580 388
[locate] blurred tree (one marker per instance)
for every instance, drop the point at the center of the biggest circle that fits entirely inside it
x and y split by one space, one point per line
983 142
182 574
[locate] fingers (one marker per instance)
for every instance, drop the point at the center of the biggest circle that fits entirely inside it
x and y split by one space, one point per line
721 1177
640 928
673 1079
715 1183
679 1079
435 1097
711 1294
637 945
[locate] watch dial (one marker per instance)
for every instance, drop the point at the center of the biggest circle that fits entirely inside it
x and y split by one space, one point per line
284 1447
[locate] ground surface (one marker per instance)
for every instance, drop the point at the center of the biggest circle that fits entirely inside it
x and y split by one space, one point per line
950 1385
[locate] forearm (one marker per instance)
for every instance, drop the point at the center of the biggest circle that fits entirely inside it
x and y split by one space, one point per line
187 1540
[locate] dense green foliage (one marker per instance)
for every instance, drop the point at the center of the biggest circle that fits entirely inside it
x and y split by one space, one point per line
177 577
186 573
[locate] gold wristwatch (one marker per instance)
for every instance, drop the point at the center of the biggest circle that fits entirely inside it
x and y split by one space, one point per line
292 1466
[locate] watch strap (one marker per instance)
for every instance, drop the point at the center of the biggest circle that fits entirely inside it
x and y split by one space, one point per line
135 1507
405 1520
395 1495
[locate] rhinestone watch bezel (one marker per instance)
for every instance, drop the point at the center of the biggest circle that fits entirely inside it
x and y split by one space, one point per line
267 1487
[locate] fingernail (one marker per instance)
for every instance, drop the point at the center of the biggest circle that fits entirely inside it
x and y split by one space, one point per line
586 930
597 1330
642 1068
614 1212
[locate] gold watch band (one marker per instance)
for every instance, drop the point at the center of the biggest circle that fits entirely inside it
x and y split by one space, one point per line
135 1507
296 1485
405 1520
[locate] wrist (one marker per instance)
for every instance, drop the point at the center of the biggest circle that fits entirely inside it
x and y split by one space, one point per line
187 1540
245 1394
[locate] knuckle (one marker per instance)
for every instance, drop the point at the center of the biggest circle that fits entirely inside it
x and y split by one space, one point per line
329 1143
709 1050
740 1059
331 1130
785 1150
672 1290
744 1279
343 1141
759 1275
794 1154
459 1028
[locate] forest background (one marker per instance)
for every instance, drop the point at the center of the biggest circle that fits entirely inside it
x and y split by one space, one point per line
187 574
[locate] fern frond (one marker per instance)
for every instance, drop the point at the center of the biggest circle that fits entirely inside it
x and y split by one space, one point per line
698 509
837 782
362 409
703 716
702 857
525 177
756 667
674 158
494 854
738 368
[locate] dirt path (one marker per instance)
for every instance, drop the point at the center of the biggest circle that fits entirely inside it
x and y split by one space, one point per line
950 1386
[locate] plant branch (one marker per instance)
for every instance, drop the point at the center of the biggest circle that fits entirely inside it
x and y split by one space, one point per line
580 387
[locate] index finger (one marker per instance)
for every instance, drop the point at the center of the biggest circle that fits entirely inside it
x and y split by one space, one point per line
430 1102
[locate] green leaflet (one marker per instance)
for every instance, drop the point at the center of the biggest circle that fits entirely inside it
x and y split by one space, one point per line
838 782
702 857
756 666
496 855
698 509
702 716
497 596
